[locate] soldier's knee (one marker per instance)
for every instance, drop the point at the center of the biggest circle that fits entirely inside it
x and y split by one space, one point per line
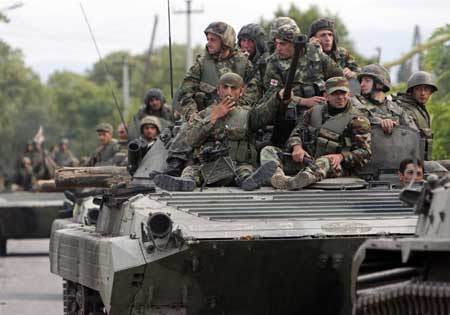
269 153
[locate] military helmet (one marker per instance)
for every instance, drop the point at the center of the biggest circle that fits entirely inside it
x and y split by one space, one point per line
324 24
64 141
150 120
104 127
277 22
287 32
224 31
378 73
256 33
421 78
154 93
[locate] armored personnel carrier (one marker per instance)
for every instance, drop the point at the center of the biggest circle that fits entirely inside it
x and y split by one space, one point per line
409 275
28 215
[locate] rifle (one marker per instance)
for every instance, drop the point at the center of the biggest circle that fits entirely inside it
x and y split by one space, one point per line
299 45
307 161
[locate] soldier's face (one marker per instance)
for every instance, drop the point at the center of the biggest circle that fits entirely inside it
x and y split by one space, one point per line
104 137
248 47
284 49
338 99
122 134
150 132
214 44
230 91
422 93
325 38
63 146
155 104
366 85
408 174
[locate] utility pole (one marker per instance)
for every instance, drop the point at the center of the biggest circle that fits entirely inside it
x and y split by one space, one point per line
125 86
149 56
417 59
188 13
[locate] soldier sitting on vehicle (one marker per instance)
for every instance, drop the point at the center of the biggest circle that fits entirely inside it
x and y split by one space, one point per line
222 139
105 153
63 156
332 141
420 87
375 105
24 179
410 171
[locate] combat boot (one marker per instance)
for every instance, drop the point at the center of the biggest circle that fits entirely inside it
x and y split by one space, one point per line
172 183
279 180
302 179
174 166
260 176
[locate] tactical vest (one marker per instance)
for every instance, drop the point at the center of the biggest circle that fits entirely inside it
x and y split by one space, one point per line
328 137
242 148
211 74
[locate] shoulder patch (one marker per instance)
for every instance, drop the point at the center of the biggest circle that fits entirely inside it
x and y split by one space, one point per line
273 82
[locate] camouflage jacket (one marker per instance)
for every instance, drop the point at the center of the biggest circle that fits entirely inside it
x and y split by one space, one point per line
416 111
199 86
353 142
104 154
387 110
236 130
65 158
314 67
344 59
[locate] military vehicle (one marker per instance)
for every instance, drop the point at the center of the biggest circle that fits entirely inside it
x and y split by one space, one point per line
28 215
223 250
409 275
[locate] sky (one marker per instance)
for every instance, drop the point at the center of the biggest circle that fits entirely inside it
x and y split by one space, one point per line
53 34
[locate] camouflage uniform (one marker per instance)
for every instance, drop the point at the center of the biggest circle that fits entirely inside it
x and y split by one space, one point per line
198 88
165 114
339 54
374 110
314 67
105 154
259 61
65 158
417 111
327 130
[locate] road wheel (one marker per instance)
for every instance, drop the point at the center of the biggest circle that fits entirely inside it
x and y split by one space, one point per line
81 300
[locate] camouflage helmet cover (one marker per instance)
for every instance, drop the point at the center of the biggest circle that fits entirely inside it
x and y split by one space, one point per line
276 23
421 78
256 33
154 93
150 120
287 32
224 31
378 73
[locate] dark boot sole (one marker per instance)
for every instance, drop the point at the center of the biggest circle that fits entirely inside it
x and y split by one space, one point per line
260 176
171 183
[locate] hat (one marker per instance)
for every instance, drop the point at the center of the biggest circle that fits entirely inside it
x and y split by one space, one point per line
231 79
337 84
104 127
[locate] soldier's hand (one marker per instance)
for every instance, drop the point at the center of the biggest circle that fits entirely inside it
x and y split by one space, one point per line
314 41
298 154
281 94
336 159
222 109
388 125
349 74
311 101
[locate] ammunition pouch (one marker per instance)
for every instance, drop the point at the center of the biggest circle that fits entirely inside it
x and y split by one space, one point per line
427 143
310 90
221 169
291 112
327 142
243 152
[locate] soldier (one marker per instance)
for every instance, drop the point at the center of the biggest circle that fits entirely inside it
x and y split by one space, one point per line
198 88
274 26
222 133
420 87
251 41
63 156
373 102
410 171
331 141
24 178
105 153
123 137
323 33
150 128
314 67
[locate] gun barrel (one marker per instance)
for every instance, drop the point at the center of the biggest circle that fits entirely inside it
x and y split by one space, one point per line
299 44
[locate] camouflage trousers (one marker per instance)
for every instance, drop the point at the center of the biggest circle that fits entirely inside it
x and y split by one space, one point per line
243 170
321 168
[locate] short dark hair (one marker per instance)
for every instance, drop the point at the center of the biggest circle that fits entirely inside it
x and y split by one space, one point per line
405 162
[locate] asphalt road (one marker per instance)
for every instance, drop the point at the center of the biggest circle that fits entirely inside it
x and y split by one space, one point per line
26 284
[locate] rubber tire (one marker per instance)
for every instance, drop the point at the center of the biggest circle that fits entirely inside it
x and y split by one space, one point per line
3 241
